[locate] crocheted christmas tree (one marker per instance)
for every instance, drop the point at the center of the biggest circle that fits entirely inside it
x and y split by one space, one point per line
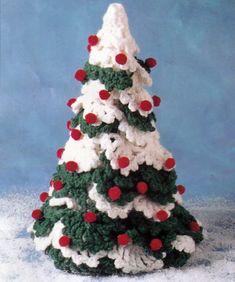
113 205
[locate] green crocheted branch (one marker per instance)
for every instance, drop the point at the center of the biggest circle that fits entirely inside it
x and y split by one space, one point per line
133 118
112 79
137 120
102 234
161 183
105 231
105 267
91 130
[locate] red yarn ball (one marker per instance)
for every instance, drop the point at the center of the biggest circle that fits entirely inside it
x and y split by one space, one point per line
90 217
43 196
123 162
162 215
114 193
145 105
155 244
71 166
89 48
121 59
123 239
93 40
169 163
58 185
142 187
194 226
91 118
80 75
37 214
68 125
104 94
59 153
156 101
71 101
181 189
76 134
64 241
151 62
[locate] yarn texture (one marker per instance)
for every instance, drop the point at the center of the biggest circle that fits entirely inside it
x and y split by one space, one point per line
113 205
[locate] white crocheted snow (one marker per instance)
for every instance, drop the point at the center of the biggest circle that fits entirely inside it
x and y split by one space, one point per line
152 153
135 94
138 146
85 152
136 136
77 257
178 198
105 110
55 202
51 189
42 243
141 203
114 38
213 260
184 243
133 259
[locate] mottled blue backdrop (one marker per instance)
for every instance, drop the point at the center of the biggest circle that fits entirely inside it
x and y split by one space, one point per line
44 41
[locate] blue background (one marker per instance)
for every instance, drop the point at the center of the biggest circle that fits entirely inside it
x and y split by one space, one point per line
44 42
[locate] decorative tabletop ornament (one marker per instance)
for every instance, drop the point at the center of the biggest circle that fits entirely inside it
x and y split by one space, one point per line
113 205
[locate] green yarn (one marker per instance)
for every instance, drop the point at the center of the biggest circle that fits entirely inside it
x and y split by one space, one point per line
161 183
51 215
185 218
91 130
175 259
93 237
105 267
75 185
112 79
137 120
102 234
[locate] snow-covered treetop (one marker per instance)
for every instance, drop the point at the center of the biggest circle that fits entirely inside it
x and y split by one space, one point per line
115 38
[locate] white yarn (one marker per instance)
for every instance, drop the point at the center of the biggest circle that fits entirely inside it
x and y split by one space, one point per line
152 153
85 152
51 189
105 110
138 146
134 95
178 198
184 243
140 203
136 136
115 38
70 203
131 259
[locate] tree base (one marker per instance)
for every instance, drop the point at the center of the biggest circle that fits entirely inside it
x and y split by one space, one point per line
106 266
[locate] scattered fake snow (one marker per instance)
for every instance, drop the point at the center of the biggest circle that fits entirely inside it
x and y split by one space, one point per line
214 259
